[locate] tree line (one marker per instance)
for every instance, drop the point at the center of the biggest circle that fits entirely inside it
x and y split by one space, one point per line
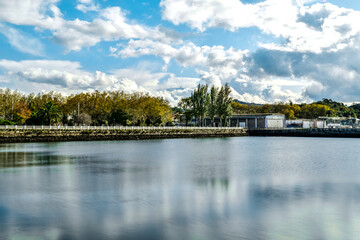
205 102
95 108
323 108
119 108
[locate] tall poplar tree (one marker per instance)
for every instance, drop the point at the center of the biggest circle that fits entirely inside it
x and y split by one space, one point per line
224 104
200 99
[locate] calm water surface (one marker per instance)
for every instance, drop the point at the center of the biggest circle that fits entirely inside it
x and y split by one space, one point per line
229 188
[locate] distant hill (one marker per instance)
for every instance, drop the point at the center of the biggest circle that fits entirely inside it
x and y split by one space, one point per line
246 103
355 106
339 108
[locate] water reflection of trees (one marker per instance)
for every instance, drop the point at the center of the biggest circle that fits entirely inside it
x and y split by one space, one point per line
23 159
214 183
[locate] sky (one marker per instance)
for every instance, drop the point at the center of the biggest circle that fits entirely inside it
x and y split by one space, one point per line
267 50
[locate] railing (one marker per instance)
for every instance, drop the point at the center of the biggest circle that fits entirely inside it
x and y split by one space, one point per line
43 127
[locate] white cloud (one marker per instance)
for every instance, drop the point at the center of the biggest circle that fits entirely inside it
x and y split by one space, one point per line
217 66
186 55
66 75
246 97
229 14
25 12
22 42
69 77
315 28
87 6
143 77
268 74
316 55
110 24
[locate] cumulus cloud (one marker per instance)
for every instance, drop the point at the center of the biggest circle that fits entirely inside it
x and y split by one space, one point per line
110 26
186 55
266 74
26 12
315 56
329 74
249 74
143 77
111 23
87 6
69 77
316 28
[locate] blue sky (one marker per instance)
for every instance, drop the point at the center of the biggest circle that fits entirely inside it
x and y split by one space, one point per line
267 50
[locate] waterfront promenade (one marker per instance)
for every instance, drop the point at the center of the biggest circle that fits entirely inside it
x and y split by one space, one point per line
11 134
311 132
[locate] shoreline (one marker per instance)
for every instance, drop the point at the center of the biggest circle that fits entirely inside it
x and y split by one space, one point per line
54 135
314 132
61 135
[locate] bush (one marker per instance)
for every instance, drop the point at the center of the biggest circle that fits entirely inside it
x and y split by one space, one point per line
6 122
84 119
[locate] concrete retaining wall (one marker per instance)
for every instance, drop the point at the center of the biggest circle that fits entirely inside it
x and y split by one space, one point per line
326 132
21 135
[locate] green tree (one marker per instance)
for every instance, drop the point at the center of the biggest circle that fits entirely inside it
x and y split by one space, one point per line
49 113
312 111
200 100
186 105
224 104
212 108
22 112
118 116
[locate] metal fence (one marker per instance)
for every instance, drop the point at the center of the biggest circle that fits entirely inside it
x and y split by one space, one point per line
43 127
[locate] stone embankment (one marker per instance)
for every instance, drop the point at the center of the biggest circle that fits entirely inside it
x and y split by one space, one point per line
317 132
59 135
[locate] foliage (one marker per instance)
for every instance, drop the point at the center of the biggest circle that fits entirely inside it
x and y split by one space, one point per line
100 108
6 122
22 112
186 105
212 107
84 119
119 116
224 104
49 113
325 108
116 107
202 103
339 109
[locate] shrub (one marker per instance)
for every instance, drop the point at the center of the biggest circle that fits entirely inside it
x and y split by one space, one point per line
6 122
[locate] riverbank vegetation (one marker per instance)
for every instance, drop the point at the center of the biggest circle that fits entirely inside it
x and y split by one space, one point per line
95 108
139 109
205 102
324 108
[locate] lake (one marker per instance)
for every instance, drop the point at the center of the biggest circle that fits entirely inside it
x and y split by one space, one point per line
213 188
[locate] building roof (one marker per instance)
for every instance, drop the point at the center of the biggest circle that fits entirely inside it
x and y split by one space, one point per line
258 115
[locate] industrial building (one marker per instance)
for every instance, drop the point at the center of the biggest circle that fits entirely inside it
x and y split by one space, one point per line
255 121
341 122
306 123
324 122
